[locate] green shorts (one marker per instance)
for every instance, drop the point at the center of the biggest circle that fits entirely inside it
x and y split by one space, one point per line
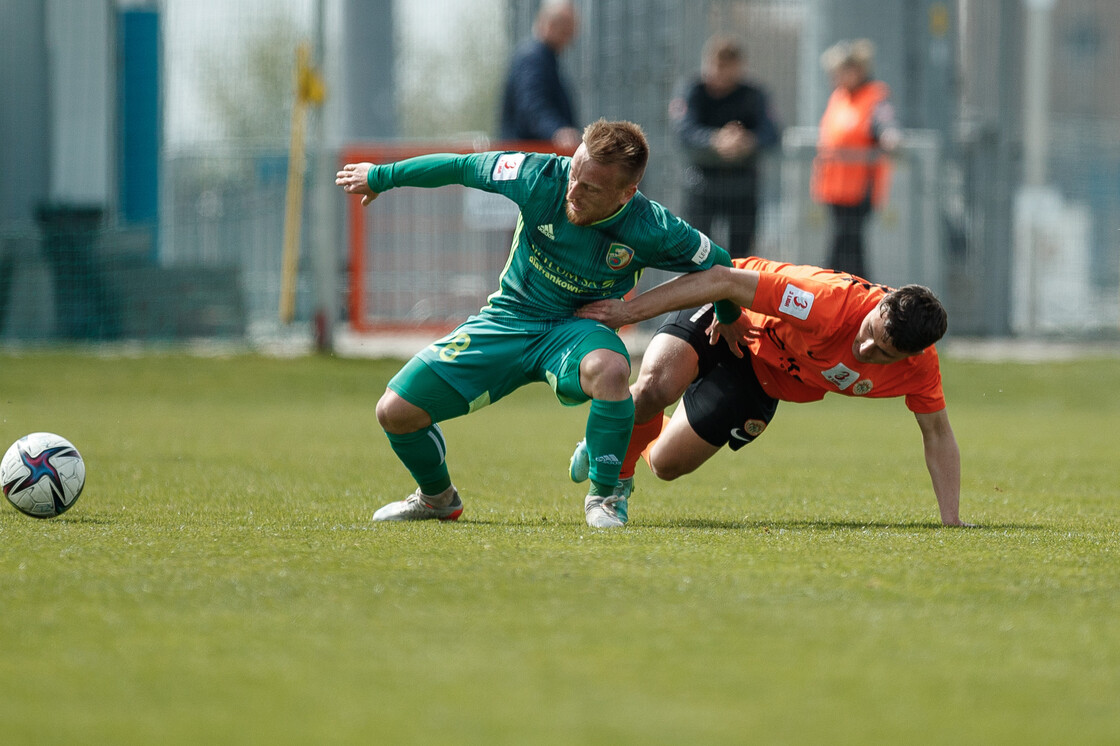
484 359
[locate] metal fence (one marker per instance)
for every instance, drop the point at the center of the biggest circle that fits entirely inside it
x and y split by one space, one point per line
223 208
904 236
1015 219
429 258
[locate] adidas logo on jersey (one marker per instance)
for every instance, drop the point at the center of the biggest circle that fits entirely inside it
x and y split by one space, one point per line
546 230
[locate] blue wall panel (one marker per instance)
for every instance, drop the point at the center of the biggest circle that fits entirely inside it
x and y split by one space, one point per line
140 116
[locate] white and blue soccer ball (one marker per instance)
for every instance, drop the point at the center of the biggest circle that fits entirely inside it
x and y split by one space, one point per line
42 474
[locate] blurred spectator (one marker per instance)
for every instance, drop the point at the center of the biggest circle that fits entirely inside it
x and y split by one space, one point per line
85 307
723 123
536 103
850 173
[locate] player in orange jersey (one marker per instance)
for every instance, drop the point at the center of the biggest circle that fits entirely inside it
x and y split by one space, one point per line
805 332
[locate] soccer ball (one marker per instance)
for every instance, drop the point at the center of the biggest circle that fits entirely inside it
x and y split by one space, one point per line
42 474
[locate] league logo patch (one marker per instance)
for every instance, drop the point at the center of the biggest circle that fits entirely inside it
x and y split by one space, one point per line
862 387
841 376
619 255
796 302
508 167
704 250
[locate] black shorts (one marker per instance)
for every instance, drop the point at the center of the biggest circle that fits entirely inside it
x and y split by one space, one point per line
726 404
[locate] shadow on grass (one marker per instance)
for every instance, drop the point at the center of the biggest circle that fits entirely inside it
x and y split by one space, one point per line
830 525
82 520
768 525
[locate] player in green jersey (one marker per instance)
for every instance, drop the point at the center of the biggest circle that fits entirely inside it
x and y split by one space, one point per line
584 233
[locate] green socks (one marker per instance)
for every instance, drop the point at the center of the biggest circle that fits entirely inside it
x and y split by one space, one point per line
608 434
424 454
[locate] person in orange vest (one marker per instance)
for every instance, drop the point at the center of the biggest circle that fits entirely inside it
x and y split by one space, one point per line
851 172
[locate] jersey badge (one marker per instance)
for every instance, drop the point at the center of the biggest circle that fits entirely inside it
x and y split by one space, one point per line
619 256
862 388
841 376
796 302
546 231
508 166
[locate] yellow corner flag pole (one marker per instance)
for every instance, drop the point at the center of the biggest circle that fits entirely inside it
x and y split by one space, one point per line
310 91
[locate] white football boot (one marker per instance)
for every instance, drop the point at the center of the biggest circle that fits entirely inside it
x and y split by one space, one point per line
416 507
609 511
579 468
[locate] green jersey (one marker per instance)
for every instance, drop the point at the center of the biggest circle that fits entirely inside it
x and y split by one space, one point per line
555 267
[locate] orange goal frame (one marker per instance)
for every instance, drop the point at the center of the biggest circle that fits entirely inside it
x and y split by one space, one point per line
357 218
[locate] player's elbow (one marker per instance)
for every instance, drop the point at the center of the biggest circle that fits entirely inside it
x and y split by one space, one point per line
723 283
740 285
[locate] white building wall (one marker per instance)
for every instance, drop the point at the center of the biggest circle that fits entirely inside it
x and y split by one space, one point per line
82 91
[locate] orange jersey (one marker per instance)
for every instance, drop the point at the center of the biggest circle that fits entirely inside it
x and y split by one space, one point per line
810 317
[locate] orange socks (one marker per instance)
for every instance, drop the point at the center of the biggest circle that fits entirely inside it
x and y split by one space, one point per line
644 434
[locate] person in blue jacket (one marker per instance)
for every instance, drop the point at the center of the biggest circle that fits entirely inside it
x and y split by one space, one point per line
536 102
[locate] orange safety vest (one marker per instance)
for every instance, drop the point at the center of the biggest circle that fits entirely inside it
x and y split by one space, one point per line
847 167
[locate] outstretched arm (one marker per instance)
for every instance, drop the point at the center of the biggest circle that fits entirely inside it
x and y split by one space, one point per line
428 171
943 459
686 291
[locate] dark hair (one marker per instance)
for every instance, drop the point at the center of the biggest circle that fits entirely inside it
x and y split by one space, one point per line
620 144
914 318
724 49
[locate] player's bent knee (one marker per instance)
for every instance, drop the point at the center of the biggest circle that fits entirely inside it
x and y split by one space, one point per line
666 468
666 472
659 386
398 416
653 394
605 374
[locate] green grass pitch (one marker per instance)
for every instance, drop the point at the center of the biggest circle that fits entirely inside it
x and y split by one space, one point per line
220 582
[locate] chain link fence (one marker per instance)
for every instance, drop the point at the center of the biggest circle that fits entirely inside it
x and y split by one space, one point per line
1009 251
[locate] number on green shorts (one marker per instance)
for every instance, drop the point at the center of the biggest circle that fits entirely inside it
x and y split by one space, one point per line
451 350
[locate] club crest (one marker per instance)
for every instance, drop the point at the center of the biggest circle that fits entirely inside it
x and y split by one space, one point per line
754 428
619 256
